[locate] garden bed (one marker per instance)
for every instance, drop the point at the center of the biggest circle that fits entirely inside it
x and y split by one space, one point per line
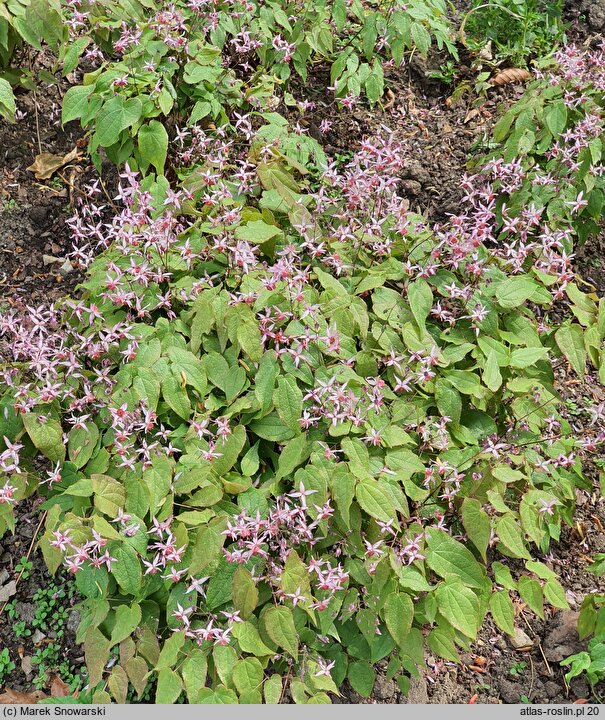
442 134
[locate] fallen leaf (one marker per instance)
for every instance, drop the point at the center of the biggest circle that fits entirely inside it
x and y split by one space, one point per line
46 164
471 114
14 697
510 75
390 99
57 687
8 591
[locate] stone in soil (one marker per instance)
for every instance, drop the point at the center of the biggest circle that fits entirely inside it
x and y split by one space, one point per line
562 639
595 13
520 639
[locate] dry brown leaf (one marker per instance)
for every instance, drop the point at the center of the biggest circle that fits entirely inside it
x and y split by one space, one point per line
390 98
46 164
57 687
14 697
471 115
510 75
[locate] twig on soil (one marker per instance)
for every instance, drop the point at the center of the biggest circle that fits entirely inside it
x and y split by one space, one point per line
533 677
537 639
37 122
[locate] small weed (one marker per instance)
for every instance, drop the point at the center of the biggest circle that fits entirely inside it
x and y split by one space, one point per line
446 72
20 629
52 605
6 665
517 669
10 205
24 568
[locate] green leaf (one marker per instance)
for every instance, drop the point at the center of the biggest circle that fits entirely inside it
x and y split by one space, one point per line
207 548
72 56
342 489
244 592
477 525
250 340
75 103
118 684
293 454
503 612
189 368
503 576
421 37
96 653
279 623
272 690
420 297
176 396
511 537
555 117
169 687
530 591
555 594
570 339
169 655
525 357
230 449
248 676
449 402
193 672
513 292
362 678
442 645
459 606
257 231
157 480
250 641
264 381
541 570
287 398
41 21
235 381
491 372
81 443
450 559
357 456
220 696
46 434
295 578
250 462
109 495
127 568
7 100
220 585
127 620
116 115
153 145
375 500
399 615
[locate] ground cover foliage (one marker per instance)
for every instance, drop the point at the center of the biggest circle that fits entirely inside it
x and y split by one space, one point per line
293 429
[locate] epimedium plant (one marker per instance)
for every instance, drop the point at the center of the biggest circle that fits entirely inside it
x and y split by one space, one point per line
188 65
555 134
591 624
29 22
295 432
